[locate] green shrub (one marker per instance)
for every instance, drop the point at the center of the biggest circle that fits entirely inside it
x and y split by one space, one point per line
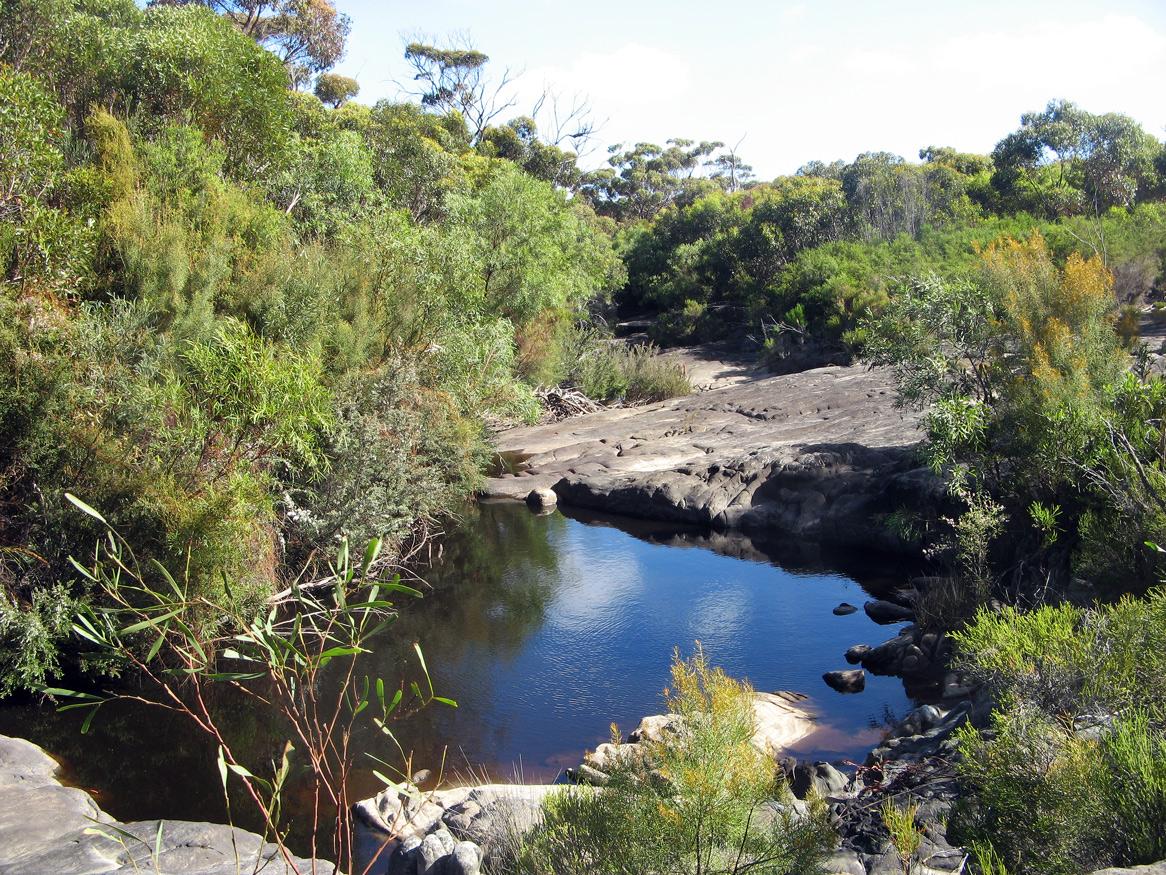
1071 775
1133 769
1033 791
703 799
608 370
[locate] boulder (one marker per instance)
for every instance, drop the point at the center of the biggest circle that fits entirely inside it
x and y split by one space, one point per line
855 654
846 681
844 609
656 728
820 778
542 500
45 827
1158 868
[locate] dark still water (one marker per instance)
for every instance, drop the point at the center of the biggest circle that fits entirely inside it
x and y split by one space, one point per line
545 629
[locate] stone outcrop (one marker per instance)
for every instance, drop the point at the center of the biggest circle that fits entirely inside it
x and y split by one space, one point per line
47 827
816 454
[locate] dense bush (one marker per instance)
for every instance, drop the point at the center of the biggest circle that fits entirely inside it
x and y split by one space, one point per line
240 323
1069 776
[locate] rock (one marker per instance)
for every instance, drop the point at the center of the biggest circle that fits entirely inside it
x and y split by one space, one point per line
542 500
848 681
432 849
1158 868
656 728
607 757
855 654
586 774
887 658
467 859
844 609
843 862
779 722
45 827
813 454
884 612
820 778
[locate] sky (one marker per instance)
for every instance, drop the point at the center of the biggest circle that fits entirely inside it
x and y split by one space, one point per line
793 81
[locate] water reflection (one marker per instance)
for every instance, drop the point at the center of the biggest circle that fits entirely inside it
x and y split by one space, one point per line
545 629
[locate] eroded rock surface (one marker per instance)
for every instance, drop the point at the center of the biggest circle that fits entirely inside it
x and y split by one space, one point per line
47 827
816 453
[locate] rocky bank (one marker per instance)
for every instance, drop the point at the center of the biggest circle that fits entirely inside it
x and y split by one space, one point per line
816 454
48 827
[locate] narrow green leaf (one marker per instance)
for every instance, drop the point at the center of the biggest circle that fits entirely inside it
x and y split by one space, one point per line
151 622
84 508
156 646
88 721
370 555
424 667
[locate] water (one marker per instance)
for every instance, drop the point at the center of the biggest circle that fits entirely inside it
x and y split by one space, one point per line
545 629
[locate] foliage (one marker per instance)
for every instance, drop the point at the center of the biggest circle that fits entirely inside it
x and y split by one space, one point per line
336 90
203 274
905 835
609 370
702 801
1069 778
182 645
1033 796
307 35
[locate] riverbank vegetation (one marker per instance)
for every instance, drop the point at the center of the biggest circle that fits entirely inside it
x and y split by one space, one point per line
240 322
249 319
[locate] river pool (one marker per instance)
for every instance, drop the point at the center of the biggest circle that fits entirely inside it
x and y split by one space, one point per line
545 629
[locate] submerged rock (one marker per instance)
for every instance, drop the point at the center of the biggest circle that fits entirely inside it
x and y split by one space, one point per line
845 609
846 681
884 612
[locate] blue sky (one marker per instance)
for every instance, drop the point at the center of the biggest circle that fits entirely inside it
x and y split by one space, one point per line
798 80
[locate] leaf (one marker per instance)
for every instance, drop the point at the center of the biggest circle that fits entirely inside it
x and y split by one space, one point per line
88 721
370 555
381 693
84 508
333 652
89 575
158 841
151 622
156 646
424 667
168 577
445 701
71 694
222 763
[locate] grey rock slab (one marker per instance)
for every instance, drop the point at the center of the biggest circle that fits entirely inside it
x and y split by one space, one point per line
46 827
814 453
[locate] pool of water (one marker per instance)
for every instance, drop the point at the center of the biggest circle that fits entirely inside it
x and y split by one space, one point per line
545 629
